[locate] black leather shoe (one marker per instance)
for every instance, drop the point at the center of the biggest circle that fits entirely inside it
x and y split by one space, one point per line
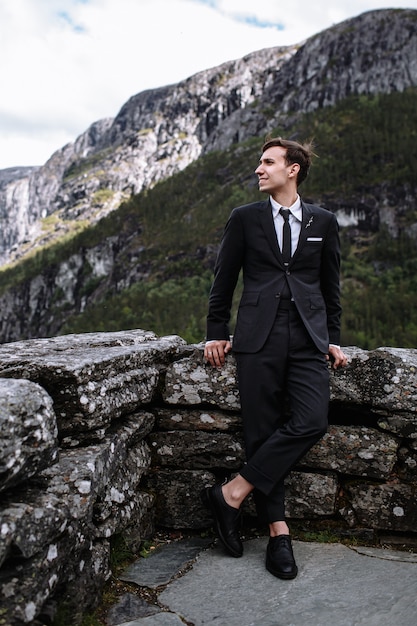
280 558
226 519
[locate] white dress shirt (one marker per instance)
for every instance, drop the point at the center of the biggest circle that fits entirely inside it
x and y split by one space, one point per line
296 216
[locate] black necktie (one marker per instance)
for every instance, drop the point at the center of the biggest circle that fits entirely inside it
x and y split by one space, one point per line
286 235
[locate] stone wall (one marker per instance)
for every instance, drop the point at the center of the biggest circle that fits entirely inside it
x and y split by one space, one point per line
113 434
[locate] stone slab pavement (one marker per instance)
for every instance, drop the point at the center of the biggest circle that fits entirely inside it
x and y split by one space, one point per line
336 586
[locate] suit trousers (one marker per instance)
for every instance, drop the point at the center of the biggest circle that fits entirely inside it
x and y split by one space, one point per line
284 394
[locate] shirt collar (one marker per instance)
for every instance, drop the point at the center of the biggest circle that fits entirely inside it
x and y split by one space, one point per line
295 208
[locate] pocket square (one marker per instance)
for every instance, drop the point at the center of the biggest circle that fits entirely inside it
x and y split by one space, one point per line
314 238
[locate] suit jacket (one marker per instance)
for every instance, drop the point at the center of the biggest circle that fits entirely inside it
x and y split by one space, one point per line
250 243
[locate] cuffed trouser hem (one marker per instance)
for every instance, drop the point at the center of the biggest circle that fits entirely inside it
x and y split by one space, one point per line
260 481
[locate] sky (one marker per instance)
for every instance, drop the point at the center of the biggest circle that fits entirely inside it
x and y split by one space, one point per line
65 64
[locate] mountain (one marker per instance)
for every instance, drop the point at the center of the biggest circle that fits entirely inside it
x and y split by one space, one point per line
156 134
91 222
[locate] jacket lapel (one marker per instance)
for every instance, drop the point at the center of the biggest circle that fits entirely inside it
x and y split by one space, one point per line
267 222
307 220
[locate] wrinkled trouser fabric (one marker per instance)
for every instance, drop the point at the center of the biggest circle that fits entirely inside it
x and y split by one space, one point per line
288 371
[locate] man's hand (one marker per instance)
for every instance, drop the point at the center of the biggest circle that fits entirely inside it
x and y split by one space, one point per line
337 357
215 352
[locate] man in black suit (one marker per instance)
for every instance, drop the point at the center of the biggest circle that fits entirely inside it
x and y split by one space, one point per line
287 329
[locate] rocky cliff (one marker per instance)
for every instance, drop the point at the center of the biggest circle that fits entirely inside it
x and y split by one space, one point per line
16 217
109 434
160 131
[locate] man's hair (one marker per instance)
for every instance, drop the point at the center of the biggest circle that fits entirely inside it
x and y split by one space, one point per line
296 153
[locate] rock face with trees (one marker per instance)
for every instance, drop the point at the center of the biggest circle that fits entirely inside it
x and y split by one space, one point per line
161 133
114 434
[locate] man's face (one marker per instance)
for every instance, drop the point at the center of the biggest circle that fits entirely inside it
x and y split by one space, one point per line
273 171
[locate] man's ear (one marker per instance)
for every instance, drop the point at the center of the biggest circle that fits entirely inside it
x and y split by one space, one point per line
294 169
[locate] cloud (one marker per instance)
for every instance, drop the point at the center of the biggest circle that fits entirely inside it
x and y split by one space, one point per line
67 63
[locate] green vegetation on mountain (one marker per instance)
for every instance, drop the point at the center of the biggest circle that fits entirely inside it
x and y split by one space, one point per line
363 144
